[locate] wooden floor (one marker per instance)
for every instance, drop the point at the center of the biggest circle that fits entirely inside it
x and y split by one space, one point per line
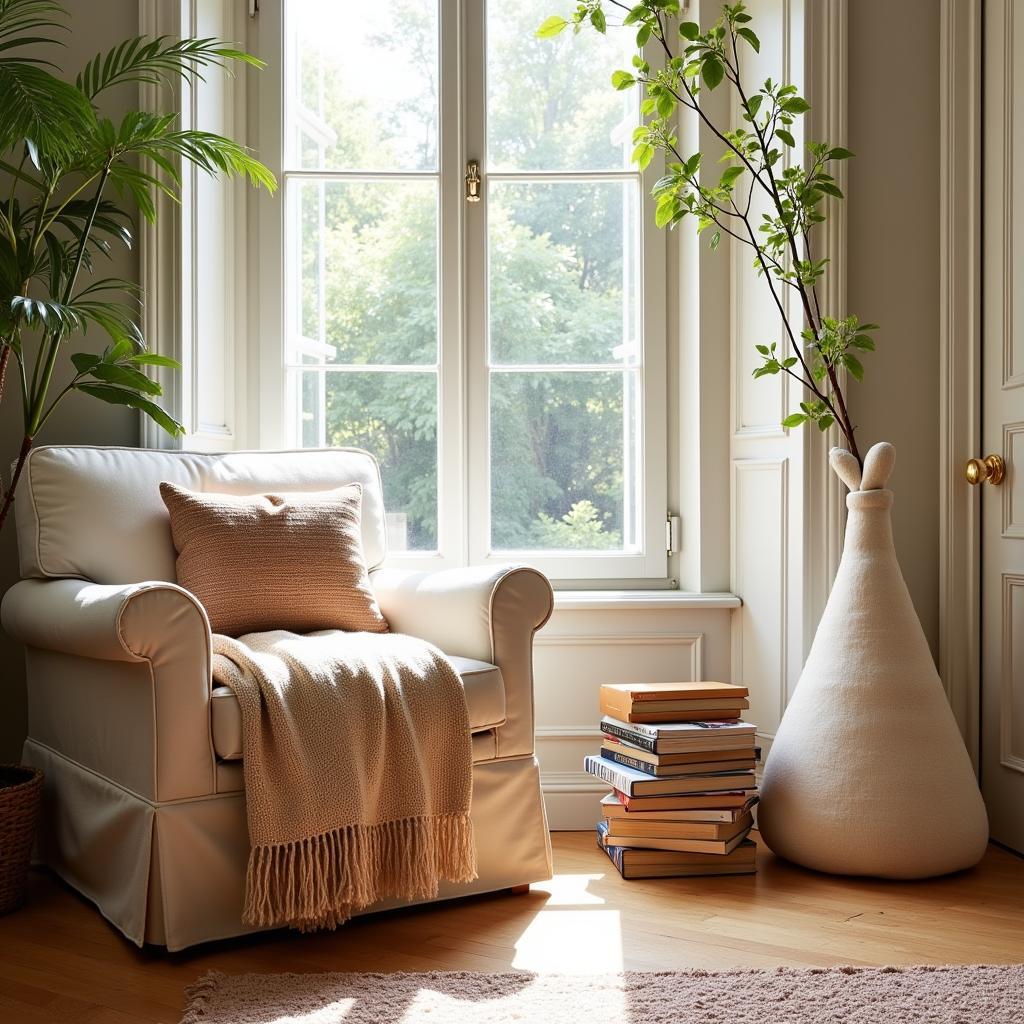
60 961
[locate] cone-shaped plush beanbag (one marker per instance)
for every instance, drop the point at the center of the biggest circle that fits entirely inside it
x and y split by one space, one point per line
868 774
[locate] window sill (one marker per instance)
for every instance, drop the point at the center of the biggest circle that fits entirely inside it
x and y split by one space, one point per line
637 600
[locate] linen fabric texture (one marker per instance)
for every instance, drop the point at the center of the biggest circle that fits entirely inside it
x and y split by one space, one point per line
868 773
289 561
357 760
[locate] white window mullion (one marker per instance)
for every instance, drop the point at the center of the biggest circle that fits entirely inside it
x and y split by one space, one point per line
452 510
474 125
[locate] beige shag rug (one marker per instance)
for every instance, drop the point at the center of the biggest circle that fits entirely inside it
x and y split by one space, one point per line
837 995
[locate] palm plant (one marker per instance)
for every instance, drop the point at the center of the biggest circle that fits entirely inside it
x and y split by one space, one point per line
68 180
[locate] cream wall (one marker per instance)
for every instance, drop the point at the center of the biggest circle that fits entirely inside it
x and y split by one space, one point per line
892 268
893 264
79 420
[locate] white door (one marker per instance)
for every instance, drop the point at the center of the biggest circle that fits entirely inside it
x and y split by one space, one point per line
1002 501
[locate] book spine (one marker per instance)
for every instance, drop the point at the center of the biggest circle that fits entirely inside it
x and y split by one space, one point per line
647 743
606 771
631 762
614 852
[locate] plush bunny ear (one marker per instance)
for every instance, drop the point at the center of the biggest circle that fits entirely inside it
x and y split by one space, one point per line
846 467
878 464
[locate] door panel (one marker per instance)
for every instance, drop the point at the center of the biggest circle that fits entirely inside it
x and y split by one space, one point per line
1002 505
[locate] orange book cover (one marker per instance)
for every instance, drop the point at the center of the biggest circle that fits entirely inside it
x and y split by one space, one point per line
677 691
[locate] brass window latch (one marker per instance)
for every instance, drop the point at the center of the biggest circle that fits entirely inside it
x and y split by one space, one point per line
473 182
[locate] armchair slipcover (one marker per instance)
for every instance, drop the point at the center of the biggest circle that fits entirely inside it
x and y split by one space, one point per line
144 805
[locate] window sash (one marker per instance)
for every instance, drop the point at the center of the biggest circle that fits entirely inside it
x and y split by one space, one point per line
463 373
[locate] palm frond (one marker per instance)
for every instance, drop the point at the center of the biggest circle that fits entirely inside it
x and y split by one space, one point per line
123 396
40 107
20 16
37 105
159 61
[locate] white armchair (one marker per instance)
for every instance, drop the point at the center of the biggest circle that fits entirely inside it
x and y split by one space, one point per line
144 806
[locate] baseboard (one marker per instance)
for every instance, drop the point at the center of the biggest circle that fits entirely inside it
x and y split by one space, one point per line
572 800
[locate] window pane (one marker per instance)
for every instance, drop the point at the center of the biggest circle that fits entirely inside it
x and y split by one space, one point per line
367 273
550 104
394 416
362 90
564 463
564 272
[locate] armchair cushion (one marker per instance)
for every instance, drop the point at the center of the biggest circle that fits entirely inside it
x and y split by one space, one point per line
274 561
485 699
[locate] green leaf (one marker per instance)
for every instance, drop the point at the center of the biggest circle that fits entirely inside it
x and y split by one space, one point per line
853 364
665 211
747 34
689 30
551 27
729 176
838 153
794 419
829 189
643 154
84 362
795 105
622 80
825 422
152 359
126 376
121 396
597 19
786 137
754 104
863 342
666 104
712 71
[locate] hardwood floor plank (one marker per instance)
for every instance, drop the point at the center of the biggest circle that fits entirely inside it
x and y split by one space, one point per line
60 961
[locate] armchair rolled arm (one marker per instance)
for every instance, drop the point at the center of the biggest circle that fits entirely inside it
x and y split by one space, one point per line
485 613
130 622
459 610
162 631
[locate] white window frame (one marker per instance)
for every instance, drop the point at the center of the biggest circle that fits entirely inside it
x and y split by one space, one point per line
463 429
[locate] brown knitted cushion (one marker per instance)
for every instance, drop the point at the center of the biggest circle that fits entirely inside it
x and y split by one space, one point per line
274 561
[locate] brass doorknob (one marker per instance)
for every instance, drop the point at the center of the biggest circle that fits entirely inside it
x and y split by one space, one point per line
990 470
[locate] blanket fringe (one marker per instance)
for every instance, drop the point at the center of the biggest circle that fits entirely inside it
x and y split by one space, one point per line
322 880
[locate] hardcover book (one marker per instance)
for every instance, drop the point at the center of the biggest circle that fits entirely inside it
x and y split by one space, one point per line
682 737
616 743
638 784
636 827
672 702
675 691
714 847
632 863
702 801
613 806
620 756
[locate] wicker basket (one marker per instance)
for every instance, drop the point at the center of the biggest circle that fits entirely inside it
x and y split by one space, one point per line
20 790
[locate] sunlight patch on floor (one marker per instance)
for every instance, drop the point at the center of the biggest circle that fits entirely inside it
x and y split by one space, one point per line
571 890
571 942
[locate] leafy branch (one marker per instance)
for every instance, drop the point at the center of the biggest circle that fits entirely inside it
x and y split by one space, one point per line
819 350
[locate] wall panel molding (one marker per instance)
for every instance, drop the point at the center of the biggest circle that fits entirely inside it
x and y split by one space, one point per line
1011 718
960 359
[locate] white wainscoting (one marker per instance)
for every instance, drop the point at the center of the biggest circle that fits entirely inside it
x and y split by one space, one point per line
589 642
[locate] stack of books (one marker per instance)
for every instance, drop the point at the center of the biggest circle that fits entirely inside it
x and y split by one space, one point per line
681 763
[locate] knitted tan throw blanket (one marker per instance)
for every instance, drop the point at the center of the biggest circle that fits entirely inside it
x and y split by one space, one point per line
358 771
